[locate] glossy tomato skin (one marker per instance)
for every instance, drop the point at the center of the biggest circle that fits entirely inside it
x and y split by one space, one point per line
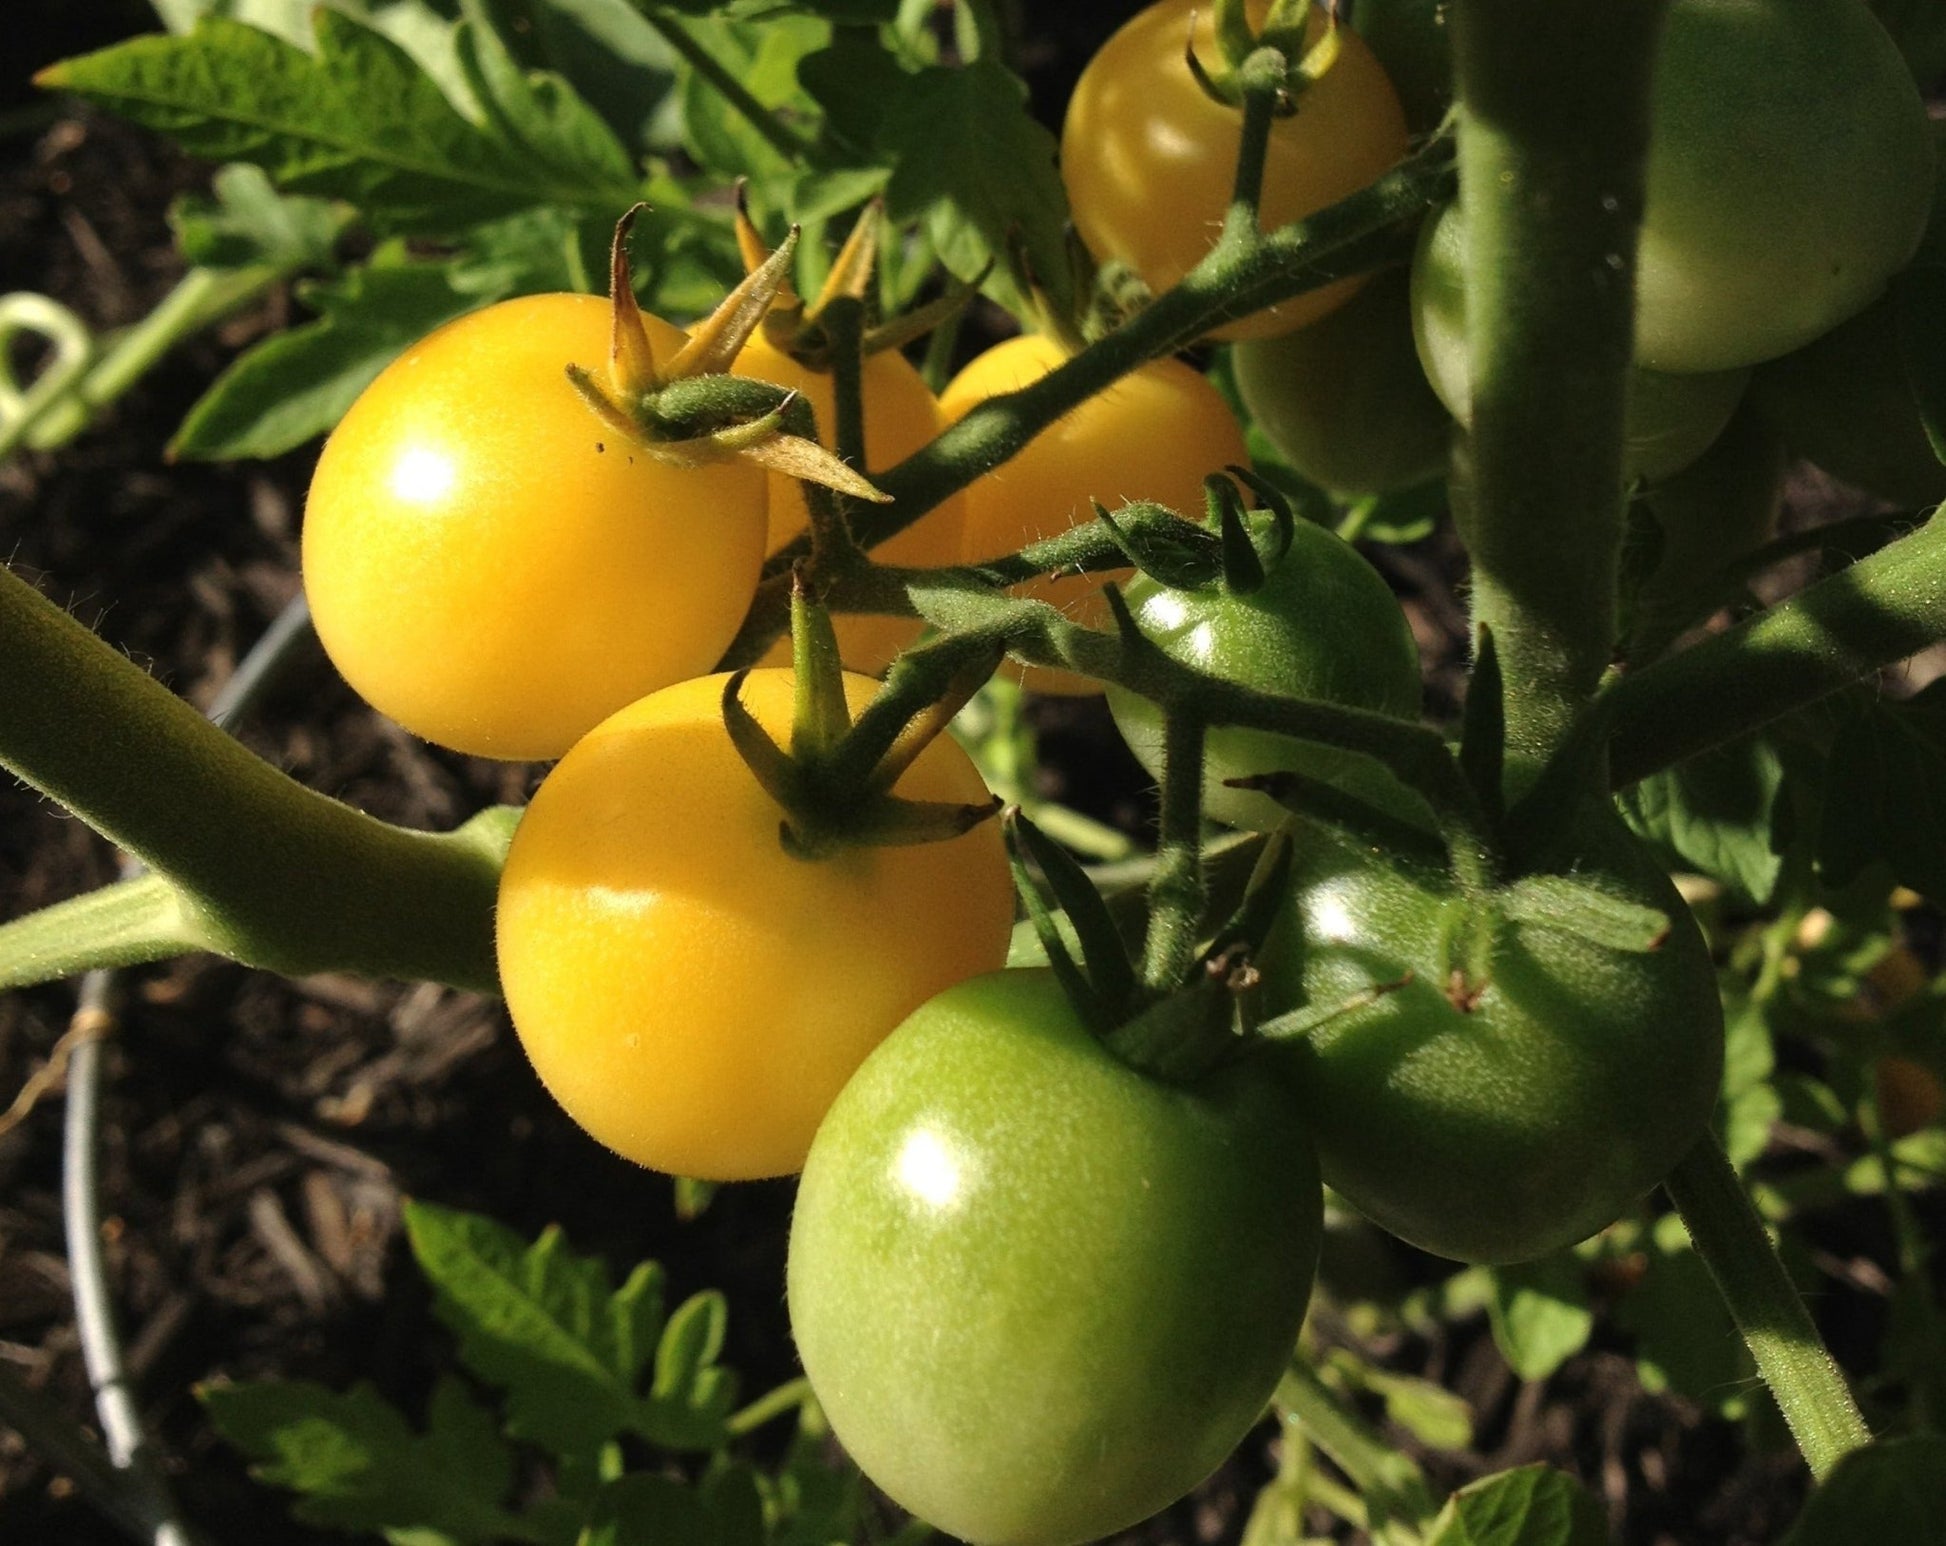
692 994
1344 400
1155 434
1040 1295
1572 1086
1324 625
1149 160
901 416
1790 174
1671 419
494 567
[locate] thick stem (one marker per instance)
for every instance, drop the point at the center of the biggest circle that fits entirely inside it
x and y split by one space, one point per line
295 881
1177 890
1730 1238
1864 618
1553 139
128 924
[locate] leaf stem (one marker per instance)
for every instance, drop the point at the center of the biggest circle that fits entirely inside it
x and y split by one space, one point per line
1392 1485
1730 1238
1176 888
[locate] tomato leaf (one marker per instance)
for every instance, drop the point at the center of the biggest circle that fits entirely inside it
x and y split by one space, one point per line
1540 1314
359 120
537 112
296 385
1885 801
1685 1340
1531 1506
692 1394
360 1466
644 1509
249 222
542 1324
998 184
1888 1491
1718 814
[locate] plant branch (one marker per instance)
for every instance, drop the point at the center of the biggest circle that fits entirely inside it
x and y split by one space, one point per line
1730 1238
1553 141
1176 888
286 877
1862 619
779 136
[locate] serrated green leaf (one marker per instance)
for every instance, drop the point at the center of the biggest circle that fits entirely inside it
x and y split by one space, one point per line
643 1509
853 81
733 1495
540 1323
538 112
692 1394
1718 814
358 120
1885 799
1531 1506
998 184
249 223
1888 1491
1540 1314
296 385
358 1465
1747 1105
763 56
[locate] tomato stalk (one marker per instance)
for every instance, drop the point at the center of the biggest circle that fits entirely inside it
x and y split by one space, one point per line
1729 1236
1176 890
1553 142
274 874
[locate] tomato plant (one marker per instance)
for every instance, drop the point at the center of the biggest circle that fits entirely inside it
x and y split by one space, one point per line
498 569
1344 399
1156 434
1323 625
1149 160
692 993
1671 419
901 415
1790 174
1493 1101
1041 1295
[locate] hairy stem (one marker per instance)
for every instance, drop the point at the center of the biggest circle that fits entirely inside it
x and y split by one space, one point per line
1730 1238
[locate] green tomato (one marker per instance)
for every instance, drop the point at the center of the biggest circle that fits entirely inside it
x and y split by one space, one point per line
1502 1123
1344 400
1670 421
1323 625
1790 174
1041 1295
1844 402
1413 40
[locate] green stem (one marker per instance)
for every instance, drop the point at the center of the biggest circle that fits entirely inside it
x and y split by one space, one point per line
127 924
1392 1485
1845 627
1259 80
1730 1238
288 878
781 138
1176 889
201 297
788 1397
1553 140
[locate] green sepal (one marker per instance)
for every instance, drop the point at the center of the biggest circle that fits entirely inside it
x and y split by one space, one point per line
1104 957
1180 554
1243 566
1181 1038
1264 894
820 716
1306 1018
1583 909
1483 729
1073 980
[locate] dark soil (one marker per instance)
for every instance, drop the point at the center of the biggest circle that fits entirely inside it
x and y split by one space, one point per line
258 1134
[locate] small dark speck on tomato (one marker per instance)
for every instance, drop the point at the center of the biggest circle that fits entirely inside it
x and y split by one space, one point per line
599 448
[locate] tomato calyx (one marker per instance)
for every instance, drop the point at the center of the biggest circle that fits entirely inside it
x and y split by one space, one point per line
1290 60
688 410
834 782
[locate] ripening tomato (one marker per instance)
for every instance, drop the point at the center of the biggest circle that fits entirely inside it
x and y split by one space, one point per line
1670 420
1155 434
690 992
495 567
1041 1295
1498 1126
1150 161
901 416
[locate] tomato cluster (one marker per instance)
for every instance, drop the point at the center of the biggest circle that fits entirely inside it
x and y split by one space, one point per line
1039 1289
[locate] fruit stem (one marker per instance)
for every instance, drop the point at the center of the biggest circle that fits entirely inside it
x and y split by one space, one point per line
1176 890
1553 143
1259 80
1729 1236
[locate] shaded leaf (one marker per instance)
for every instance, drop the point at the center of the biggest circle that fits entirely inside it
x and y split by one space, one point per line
692 1394
1885 802
248 223
1685 1340
1531 1506
1718 814
1888 1491
1540 1314
360 1466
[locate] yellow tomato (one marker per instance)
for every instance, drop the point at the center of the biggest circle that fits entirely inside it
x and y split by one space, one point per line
901 415
692 994
1150 161
1155 434
496 568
